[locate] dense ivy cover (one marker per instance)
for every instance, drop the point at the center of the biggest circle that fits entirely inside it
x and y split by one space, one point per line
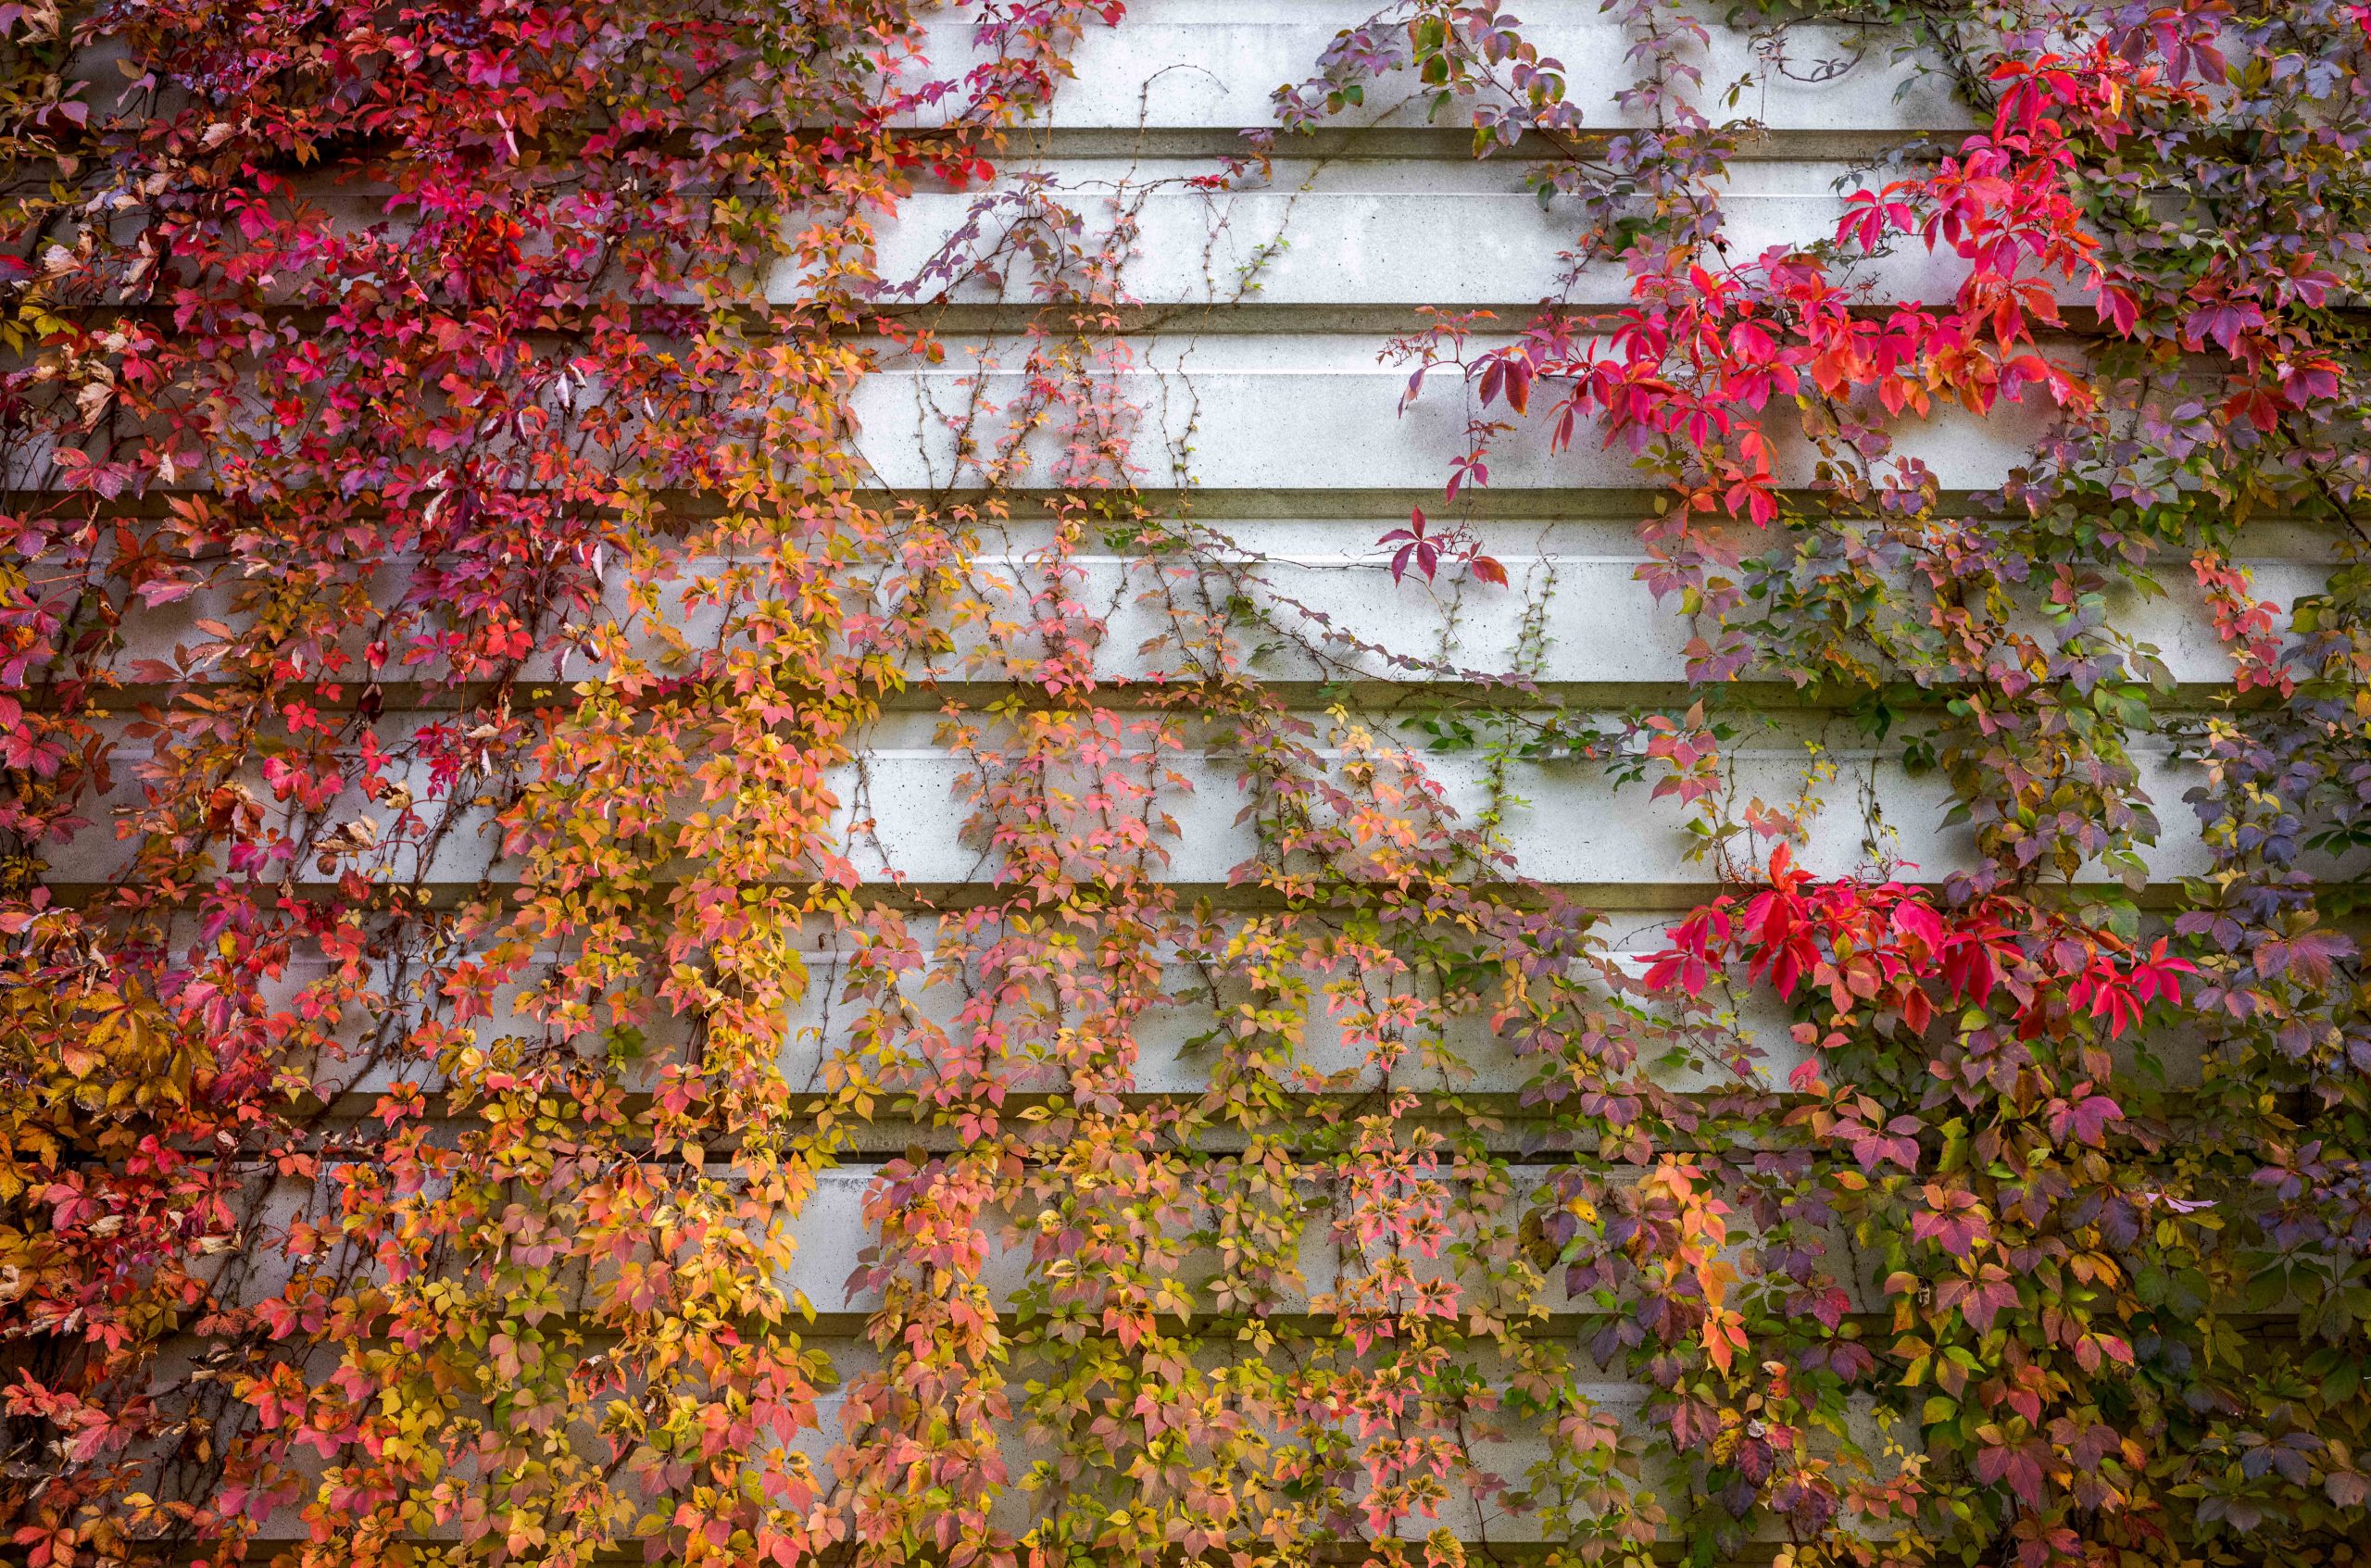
428 427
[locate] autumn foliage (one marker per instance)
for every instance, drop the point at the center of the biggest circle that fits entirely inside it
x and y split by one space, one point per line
451 951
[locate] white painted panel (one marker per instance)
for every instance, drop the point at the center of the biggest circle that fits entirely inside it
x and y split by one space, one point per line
903 818
1575 828
832 1232
1213 64
1333 599
1345 231
1305 412
831 1235
1359 232
1332 602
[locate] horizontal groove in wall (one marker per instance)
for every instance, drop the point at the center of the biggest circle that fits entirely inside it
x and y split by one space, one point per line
1626 503
1404 143
1524 1134
2261 1329
1529 1138
1186 319
1654 899
1184 322
1388 697
1498 1552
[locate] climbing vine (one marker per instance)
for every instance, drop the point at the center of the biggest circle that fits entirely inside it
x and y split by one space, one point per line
595 968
